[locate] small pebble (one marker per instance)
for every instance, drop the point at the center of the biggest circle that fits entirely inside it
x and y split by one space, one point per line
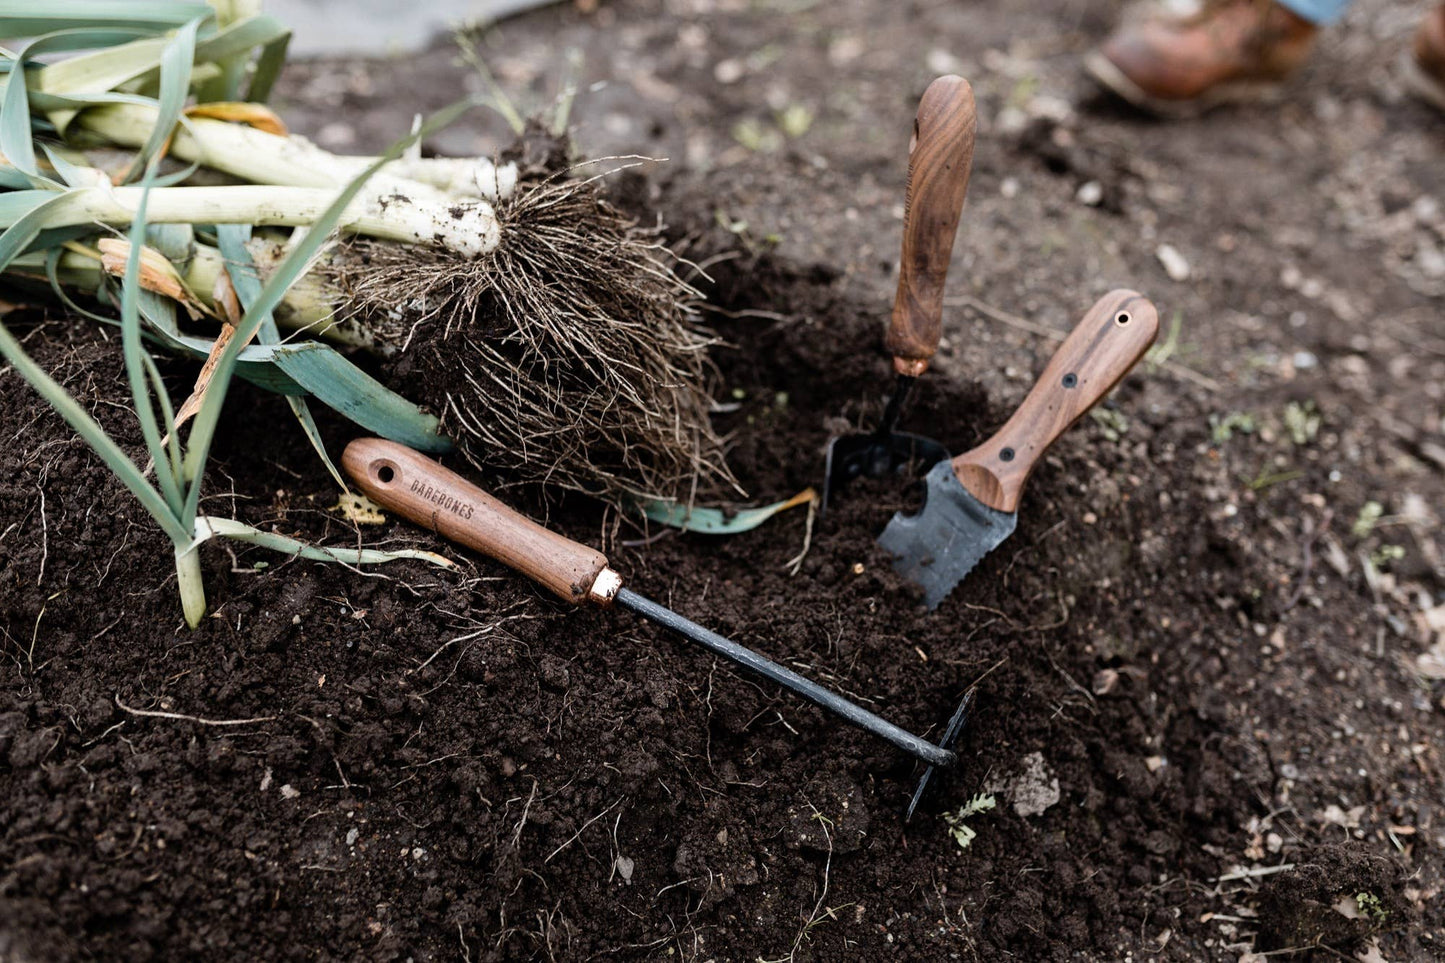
1011 120
728 71
941 61
1174 263
1431 261
1009 188
1090 193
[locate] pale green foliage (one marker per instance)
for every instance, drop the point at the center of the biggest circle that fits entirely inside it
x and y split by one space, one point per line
1113 422
962 834
1371 907
1302 420
1223 427
1385 554
1370 514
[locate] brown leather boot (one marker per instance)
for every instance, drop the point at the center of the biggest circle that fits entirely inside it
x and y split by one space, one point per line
1230 50
1426 69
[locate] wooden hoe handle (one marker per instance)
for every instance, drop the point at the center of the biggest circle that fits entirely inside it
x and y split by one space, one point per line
1109 341
940 158
417 488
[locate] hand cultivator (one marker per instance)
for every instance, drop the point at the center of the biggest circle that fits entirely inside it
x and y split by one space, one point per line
434 497
940 159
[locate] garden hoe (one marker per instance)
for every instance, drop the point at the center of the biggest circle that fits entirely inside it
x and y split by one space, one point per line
414 486
939 160
971 501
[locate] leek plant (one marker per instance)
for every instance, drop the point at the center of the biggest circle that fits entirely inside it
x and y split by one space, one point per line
173 499
516 314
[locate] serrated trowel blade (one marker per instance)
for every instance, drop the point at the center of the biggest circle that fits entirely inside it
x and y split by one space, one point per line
937 547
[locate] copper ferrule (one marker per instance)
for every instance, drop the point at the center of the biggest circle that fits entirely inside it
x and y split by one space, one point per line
604 587
910 367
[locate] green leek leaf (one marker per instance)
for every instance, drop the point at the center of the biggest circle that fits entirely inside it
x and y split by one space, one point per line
208 527
363 400
715 521
245 278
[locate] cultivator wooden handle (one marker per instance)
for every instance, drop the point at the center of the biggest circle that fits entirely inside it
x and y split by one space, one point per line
1109 341
417 488
940 158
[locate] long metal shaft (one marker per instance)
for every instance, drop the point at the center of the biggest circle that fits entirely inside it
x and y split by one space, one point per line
845 709
901 390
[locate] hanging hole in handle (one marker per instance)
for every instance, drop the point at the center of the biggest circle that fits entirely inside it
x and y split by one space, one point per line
1121 318
386 474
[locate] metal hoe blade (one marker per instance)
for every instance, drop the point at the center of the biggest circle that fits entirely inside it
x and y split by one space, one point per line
937 547
949 739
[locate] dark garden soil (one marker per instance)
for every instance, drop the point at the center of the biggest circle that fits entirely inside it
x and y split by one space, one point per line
1200 708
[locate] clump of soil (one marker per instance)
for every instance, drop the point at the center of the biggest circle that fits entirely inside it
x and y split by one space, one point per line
1340 897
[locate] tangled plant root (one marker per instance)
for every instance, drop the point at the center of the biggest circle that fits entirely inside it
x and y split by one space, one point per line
569 356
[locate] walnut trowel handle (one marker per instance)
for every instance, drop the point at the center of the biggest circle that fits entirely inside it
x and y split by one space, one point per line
1110 340
419 489
940 158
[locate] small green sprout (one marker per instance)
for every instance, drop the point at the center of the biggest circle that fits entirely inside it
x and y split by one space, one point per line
1302 421
961 833
1268 479
1113 422
794 120
1160 353
1222 428
1385 554
1371 907
755 137
1370 514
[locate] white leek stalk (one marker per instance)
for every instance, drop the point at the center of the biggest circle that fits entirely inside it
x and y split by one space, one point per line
309 305
467 227
264 158
192 586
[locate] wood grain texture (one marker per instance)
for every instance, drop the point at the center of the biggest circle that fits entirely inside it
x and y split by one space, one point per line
940 159
1108 342
413 486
